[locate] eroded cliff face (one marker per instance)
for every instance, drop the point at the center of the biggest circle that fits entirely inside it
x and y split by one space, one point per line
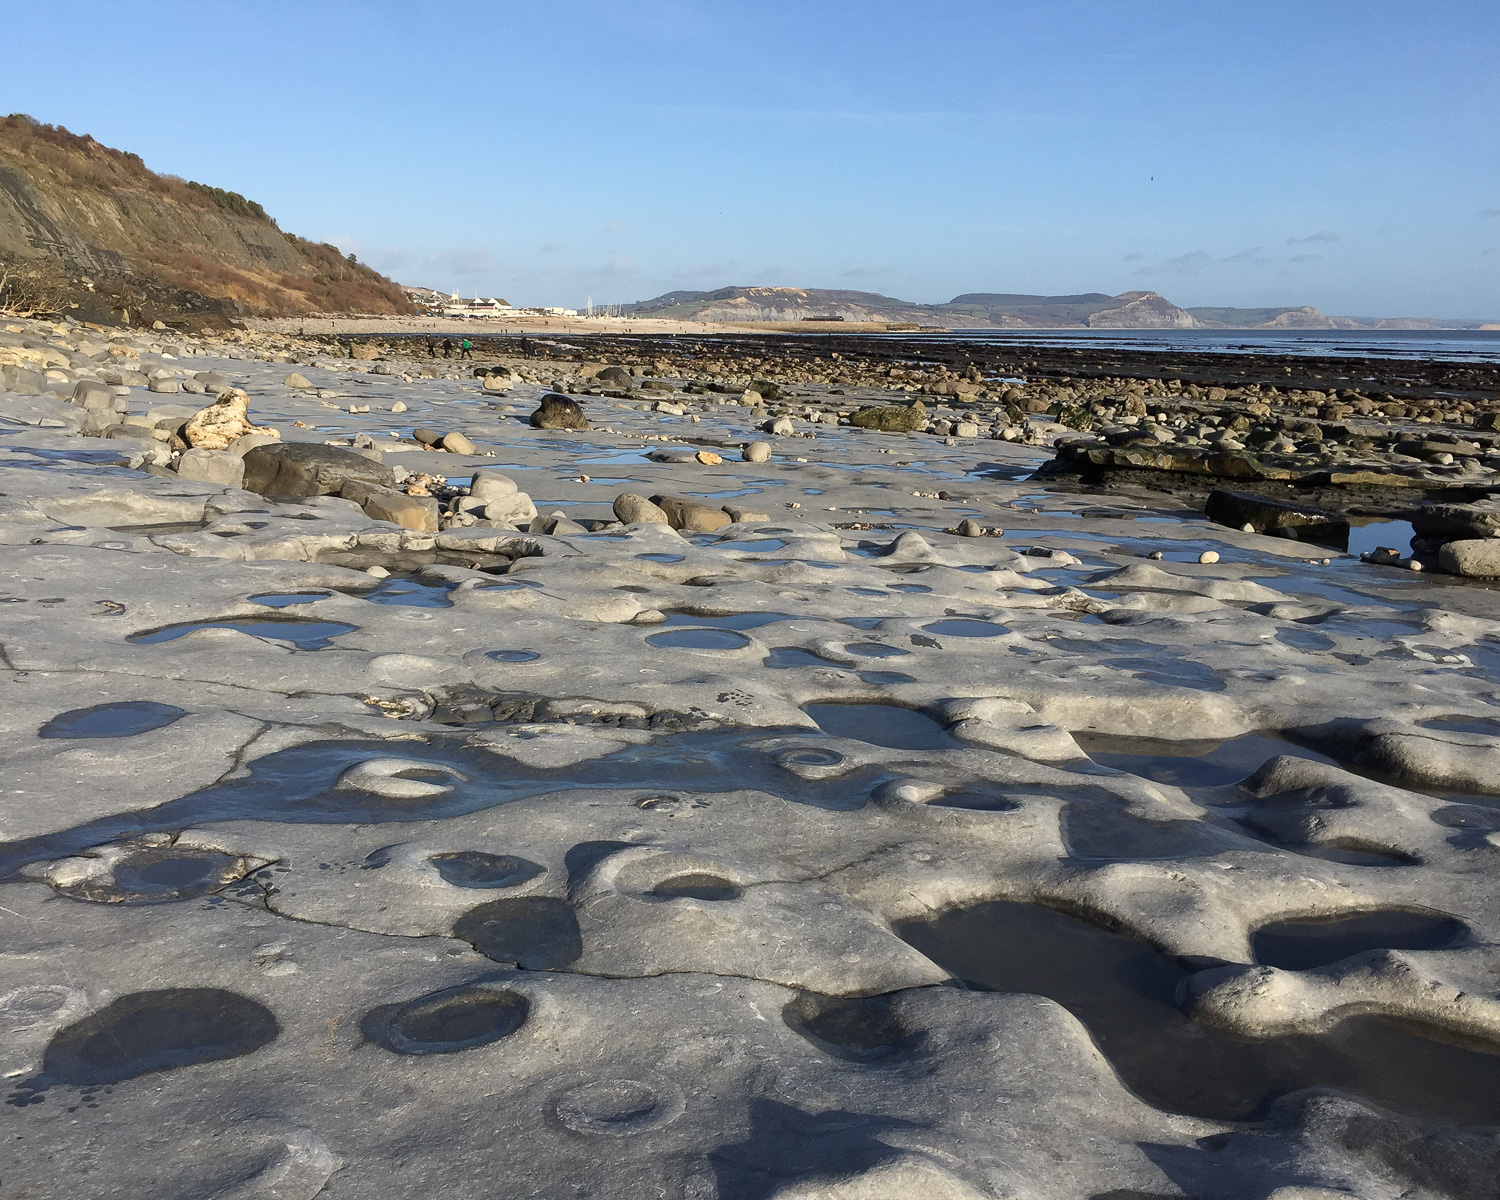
1143 310
107 233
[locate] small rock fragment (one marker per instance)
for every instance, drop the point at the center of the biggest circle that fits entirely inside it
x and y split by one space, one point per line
212 466
489 484
419 513
739 513
631 509
214 427
683 512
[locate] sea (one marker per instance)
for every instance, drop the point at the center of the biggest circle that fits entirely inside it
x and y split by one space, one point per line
1416 345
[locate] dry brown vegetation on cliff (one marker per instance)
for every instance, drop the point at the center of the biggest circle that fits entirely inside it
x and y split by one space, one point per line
121 236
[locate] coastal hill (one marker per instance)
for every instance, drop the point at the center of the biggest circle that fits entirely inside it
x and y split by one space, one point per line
91 230
1000 310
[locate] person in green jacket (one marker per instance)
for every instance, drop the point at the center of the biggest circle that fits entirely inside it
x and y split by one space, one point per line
468 349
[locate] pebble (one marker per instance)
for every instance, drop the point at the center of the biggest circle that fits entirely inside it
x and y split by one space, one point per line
377 572
756 452
1209 556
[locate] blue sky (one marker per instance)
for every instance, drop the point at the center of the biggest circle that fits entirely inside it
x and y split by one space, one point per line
1341 153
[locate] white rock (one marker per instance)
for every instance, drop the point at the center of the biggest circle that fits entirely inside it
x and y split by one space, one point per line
213 466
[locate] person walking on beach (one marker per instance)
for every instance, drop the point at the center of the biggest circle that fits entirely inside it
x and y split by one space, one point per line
447 347
468 349
431 349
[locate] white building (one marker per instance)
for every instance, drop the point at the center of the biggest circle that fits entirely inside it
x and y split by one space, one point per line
476 307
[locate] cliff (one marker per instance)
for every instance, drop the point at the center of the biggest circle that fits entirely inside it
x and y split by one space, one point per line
1002 310
975 310
90 229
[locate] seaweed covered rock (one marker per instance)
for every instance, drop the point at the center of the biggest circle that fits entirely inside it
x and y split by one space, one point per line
895 418
558 412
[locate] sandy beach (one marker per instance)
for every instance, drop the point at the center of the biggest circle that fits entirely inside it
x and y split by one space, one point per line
525 323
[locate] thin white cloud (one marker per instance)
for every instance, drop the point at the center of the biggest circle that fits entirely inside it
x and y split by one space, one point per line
1302 258
1133 256
700 272
1181 264
614 271
449 266
1323 235
1252 256
463 263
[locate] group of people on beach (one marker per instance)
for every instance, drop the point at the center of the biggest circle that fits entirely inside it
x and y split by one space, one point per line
465 348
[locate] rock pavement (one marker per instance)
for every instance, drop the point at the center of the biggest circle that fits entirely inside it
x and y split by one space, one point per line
601 810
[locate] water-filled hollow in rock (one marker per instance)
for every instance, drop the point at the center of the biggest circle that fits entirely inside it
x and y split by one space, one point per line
1189 763
698 639
967 627
1300 945
875 650
782 657
287 599
409 593
697 885
302 633
861 1029
146 1032
1127 994
445 1022
126 719
750 620
478 869
159 875
537 933
882 725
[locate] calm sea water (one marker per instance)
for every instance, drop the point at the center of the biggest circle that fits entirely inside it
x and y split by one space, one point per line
1421 345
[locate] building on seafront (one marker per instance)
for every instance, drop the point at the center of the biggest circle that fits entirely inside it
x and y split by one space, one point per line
495 308
477 307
